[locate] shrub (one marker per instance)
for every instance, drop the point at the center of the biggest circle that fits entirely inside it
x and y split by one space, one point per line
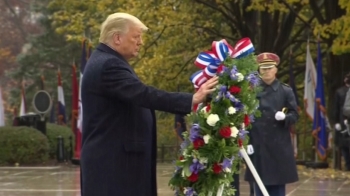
52 132
22 145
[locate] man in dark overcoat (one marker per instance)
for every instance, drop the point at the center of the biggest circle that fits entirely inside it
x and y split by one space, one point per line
119 126
273 155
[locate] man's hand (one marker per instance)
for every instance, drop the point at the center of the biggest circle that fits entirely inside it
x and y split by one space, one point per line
205 89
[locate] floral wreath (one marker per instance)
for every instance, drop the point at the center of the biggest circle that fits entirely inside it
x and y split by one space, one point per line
210 153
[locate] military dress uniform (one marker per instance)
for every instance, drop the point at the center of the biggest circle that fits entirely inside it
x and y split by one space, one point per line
273 155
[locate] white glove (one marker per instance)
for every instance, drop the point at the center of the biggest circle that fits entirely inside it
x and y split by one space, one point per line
280 115
345 121
250 149
337 127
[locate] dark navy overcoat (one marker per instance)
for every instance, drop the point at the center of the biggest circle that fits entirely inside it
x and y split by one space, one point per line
119 127
273 155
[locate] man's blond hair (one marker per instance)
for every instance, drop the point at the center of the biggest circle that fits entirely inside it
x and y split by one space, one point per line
118 23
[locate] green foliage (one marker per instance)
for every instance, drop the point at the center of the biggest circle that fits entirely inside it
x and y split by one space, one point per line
52 133
219 128
45 53
22 145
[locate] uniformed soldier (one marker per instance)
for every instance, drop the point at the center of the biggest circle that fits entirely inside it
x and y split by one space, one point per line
270 138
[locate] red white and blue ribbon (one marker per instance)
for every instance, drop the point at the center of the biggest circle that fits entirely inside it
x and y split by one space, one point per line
210 61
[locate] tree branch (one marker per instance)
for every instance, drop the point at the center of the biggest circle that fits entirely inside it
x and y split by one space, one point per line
297 34
206 3
317 11
182 67
17 20
296 14
151 44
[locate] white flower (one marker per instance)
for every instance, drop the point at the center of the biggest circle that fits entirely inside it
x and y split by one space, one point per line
204 109
206 138
212 119
184 153
231 110
203 160
227 170
234 132
240 77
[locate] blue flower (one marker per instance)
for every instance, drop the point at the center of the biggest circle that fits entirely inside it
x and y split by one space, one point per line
227 164
196 166
177 192
223 70
253 79
222 91
184 144
251 118
238 105
242 133
234 72
231 97
194 132
189 191
177 170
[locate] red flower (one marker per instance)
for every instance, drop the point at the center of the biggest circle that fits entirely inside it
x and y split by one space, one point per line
225 132
181 158
217 168
193 177
220 68
207 109
235 89
240 143
246 120
199 142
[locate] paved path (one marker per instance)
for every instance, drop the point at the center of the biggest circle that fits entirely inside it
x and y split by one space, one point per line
64 181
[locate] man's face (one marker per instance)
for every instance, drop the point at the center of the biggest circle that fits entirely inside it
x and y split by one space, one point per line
129 44
268 74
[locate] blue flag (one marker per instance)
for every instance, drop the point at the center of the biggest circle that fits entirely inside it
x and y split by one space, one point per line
319 123
53 113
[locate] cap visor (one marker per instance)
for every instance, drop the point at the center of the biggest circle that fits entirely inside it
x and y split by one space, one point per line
266 66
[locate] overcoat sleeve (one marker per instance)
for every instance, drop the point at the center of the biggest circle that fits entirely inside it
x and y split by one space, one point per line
119 82
346 109
337 107
292 114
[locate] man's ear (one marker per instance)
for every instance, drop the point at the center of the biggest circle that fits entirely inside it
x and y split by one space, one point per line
117 39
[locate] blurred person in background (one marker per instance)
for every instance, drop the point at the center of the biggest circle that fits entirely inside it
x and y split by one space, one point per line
342 138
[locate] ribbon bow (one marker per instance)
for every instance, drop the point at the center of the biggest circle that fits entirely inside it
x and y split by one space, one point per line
210 61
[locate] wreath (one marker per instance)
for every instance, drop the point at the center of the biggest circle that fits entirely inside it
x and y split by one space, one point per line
210 153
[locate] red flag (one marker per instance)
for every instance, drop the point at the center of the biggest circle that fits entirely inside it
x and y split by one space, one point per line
78 136
75 107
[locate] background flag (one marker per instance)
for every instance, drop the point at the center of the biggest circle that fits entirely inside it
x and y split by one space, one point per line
85 52
61 103
23 107
2 111
319 122
309 84
75 107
